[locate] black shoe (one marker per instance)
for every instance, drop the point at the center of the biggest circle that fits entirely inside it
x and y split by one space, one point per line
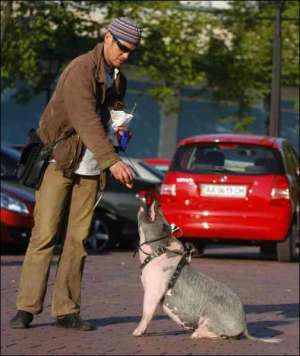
21 320
73 321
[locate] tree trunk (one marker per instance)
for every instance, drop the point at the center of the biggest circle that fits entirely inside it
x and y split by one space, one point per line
5 19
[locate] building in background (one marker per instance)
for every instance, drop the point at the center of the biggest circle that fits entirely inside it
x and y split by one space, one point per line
200 115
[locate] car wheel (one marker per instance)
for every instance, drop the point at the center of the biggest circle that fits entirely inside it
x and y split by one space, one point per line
286 250
99 237
268 250
196 246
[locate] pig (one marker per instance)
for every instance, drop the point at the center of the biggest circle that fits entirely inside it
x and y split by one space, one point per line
196 302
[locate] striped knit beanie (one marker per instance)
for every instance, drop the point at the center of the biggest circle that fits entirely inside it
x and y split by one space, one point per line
125 29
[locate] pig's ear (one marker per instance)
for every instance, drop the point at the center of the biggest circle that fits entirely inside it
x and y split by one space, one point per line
153 211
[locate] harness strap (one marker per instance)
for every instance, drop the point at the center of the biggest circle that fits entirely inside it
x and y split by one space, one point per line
139 247
183 261
156 253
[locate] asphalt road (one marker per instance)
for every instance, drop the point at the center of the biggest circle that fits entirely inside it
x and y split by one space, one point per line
112 300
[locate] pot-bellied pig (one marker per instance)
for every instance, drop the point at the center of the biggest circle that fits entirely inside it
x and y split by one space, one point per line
193 300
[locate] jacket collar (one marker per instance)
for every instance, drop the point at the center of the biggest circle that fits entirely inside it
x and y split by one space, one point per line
100 67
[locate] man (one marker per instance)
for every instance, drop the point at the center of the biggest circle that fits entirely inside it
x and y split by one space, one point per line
78 116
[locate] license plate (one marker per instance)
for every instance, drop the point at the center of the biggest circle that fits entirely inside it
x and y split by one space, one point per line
218 190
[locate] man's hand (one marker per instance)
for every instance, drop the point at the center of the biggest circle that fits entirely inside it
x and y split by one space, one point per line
123 173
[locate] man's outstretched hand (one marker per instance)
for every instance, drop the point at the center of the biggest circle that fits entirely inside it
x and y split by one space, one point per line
123 173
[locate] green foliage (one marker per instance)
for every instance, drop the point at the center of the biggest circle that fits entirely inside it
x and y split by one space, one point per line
238 124
241 70
229 53
171 46
40 38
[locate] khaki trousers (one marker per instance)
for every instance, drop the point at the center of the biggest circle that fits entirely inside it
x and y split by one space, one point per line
50 206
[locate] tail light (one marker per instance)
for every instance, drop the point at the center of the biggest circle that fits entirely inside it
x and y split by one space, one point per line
280 193
281 189
168 189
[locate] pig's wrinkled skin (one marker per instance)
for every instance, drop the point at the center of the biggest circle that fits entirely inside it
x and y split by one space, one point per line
196 302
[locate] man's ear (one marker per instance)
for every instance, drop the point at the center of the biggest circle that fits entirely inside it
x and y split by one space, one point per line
107 37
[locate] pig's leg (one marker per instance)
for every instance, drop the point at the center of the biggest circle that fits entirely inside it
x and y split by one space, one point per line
152 298
155 278
202 331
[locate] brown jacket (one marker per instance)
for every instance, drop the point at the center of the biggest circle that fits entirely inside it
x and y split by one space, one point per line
78 112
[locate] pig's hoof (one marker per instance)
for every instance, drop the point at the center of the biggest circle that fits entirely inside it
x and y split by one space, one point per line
137 333
194 336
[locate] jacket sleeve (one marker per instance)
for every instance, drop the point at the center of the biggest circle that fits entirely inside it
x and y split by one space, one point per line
80 103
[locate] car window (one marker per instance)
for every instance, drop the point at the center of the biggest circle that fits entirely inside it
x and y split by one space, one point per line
227 157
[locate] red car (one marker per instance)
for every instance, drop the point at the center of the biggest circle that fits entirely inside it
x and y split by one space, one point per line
236 189
17 204
16 216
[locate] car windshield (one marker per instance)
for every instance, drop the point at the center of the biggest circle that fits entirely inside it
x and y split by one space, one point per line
153 170
142 170
227 157
12 153
9 161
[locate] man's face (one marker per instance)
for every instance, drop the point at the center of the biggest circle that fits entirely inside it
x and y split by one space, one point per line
116 52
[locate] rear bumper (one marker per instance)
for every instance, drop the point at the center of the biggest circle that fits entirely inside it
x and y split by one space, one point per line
15 236
260 227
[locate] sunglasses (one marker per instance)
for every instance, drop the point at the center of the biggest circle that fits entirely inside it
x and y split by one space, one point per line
122 47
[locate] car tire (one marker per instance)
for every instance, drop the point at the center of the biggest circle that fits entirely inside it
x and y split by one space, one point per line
286 250
10 249
268 250
196 246
100 236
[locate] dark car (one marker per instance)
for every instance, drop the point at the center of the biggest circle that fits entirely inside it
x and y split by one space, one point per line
114 222
241 189
115 218
161 164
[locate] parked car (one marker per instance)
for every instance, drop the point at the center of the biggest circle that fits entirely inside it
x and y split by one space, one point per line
16 205
241 189
9 160
161 164
144 170
115 218
114 222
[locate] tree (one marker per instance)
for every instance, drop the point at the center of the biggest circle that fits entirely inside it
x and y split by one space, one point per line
6 10
40 38
173 41
229 53
241 72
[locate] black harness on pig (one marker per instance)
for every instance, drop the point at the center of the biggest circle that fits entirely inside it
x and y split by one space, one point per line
185 259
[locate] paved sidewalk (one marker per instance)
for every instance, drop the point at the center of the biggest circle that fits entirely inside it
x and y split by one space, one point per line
112 299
